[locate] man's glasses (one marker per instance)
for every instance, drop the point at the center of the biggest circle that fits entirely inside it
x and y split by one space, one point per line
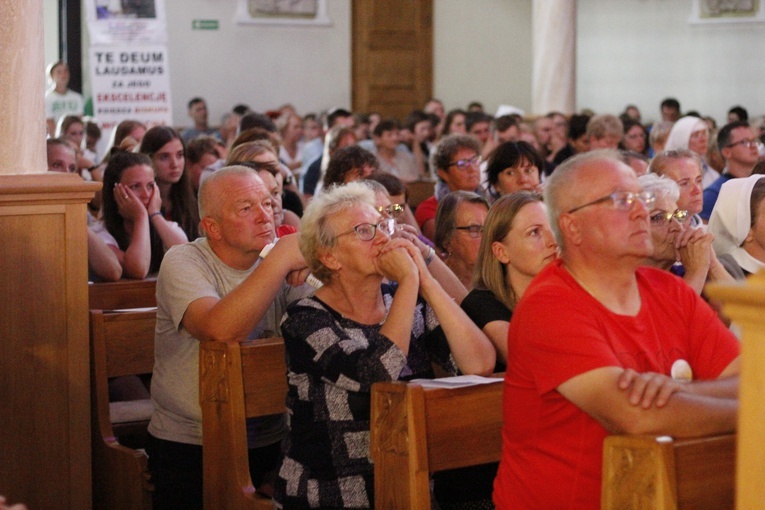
662 219
746 143
473 231
367 231
392 211
622 200
464 164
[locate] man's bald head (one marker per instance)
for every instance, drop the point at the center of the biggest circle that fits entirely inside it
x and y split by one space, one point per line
568 186
212 192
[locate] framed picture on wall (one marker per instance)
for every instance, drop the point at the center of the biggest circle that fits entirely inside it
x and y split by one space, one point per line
727 11
282 12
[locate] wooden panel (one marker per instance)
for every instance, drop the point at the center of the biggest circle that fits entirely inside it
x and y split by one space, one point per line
665 474
123 294
392 49
129 342
44 376
265 393
480 438
416 431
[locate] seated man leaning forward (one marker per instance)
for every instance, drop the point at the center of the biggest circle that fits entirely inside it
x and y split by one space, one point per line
599 345
215 288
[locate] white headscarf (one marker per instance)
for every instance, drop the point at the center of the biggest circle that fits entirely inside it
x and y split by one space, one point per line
731 220
681 131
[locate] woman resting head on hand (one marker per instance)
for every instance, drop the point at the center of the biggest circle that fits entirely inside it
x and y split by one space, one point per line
355 331
131 222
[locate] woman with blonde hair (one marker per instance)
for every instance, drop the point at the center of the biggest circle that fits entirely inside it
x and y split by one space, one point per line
517 243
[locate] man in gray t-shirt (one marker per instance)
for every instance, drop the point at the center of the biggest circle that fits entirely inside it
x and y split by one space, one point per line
215 288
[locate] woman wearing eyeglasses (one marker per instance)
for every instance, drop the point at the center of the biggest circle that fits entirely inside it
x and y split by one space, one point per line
459 225
513 166
677 247
456 161
355 331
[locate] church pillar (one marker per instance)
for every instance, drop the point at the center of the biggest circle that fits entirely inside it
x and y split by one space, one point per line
553 84
22 88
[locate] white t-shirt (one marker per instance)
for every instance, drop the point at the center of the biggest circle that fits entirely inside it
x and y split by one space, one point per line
58 105
190 272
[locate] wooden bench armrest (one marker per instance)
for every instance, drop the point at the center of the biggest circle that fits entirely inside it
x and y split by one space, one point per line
663 473
235 382
415 431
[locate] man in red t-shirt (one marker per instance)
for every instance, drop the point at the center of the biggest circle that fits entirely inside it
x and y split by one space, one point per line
600 345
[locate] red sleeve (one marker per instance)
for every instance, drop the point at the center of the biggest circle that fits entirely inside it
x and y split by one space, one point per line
426 210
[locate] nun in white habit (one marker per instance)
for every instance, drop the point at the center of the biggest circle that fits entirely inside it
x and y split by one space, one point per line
738 223
692 133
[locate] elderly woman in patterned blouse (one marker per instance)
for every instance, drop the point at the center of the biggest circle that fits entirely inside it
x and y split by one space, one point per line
353 332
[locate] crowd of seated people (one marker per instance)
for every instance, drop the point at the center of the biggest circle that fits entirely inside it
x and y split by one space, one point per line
330 190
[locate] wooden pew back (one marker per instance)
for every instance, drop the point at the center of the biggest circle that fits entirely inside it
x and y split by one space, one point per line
662 473
236 381
123 294
121 343
416 431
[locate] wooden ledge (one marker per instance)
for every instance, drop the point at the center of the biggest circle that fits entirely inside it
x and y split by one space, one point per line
21 189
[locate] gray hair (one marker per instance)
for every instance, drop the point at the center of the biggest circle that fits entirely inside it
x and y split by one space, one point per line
662 187
208 200
446 215
558 190
449 146
316 232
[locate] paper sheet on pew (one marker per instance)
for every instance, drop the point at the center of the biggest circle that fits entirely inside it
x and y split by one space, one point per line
458 381
147 309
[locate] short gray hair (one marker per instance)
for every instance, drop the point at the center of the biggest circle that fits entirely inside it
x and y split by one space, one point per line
558 190
209 200
316 232
662 187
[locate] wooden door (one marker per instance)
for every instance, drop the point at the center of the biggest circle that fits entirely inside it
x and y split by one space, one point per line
392 56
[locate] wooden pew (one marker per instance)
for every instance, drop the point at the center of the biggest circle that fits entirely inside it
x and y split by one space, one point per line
661 473
121 343
416 431
419 191
236 381
123 294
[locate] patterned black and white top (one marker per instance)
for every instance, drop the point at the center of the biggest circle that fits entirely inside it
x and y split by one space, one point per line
332 363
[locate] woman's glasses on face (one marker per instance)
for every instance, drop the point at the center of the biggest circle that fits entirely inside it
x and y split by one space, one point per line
367 231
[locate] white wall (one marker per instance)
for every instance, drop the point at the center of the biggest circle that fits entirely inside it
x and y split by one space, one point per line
482 51
641 51
630 51
259 65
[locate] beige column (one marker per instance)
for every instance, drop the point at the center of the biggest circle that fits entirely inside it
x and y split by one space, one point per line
553 82
22 87
745 304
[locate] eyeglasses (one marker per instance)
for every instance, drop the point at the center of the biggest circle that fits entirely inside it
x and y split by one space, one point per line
662 219
745 143
464 164
393 210
367 231
622 200
473 231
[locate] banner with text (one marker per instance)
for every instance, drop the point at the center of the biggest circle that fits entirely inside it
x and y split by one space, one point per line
130 82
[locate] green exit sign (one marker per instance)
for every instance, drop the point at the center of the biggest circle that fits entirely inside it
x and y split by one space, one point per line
204 24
